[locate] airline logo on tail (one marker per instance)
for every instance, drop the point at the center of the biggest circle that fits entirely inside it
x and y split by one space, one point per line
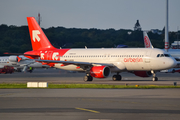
35 35
39 40
147 42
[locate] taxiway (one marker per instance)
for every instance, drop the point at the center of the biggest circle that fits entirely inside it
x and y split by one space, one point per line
67 77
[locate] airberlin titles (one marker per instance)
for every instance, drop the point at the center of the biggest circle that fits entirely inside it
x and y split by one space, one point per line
133 59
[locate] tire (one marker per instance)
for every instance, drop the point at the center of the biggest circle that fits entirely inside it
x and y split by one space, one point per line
88 78
155 79
114 77
119 77
85 78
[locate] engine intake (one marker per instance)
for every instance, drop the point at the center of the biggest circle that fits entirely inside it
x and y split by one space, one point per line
100 71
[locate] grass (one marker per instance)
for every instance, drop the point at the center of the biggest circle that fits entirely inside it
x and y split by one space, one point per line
73 86
6 85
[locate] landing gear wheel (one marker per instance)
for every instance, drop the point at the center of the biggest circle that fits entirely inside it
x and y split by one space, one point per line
155 79
88 78
154 76
116 77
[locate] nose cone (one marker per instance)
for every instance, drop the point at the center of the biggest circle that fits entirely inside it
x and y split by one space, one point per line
172 63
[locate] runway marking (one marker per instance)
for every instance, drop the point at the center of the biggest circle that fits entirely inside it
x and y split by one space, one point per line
87 110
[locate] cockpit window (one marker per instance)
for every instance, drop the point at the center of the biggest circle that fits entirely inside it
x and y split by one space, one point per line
167 55
163 55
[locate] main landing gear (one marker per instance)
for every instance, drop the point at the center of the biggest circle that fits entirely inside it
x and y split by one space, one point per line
116 77
88 78
154 76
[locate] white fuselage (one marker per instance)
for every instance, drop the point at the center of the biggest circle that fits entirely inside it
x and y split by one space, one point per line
123 59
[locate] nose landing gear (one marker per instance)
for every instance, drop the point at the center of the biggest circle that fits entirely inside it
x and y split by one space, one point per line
88 78
154 76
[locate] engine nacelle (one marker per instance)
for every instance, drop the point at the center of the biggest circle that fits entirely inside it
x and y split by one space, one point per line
100 71
143 73
13 59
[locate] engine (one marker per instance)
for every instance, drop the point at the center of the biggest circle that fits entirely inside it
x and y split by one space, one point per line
13 59
143 73
100 71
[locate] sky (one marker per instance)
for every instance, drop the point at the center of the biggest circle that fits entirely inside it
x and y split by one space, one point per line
100 14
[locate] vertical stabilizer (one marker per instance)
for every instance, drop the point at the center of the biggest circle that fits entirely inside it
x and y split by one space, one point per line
147 42
39 40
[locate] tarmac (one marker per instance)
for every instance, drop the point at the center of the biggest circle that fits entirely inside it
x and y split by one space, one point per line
88 104
58 76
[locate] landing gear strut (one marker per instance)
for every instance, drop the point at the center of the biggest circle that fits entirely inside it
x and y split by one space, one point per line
154 76
88 78
116 77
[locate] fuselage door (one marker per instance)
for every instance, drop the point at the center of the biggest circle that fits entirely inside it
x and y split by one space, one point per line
147 56
147 60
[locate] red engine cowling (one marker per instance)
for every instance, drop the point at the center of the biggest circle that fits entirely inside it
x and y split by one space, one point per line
143 73
100 71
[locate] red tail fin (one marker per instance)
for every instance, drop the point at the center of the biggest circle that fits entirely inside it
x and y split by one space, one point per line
39 40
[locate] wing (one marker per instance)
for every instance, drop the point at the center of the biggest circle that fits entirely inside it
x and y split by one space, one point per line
75 63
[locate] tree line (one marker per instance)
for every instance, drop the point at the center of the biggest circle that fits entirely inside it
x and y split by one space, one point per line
16 39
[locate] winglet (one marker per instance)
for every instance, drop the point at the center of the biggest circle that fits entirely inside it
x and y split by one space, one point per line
147 42
19 59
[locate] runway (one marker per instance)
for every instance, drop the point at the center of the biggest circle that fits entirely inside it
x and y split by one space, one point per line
65 77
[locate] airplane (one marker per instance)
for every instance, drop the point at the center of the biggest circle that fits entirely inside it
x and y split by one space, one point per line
173 52
98 63
19 62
